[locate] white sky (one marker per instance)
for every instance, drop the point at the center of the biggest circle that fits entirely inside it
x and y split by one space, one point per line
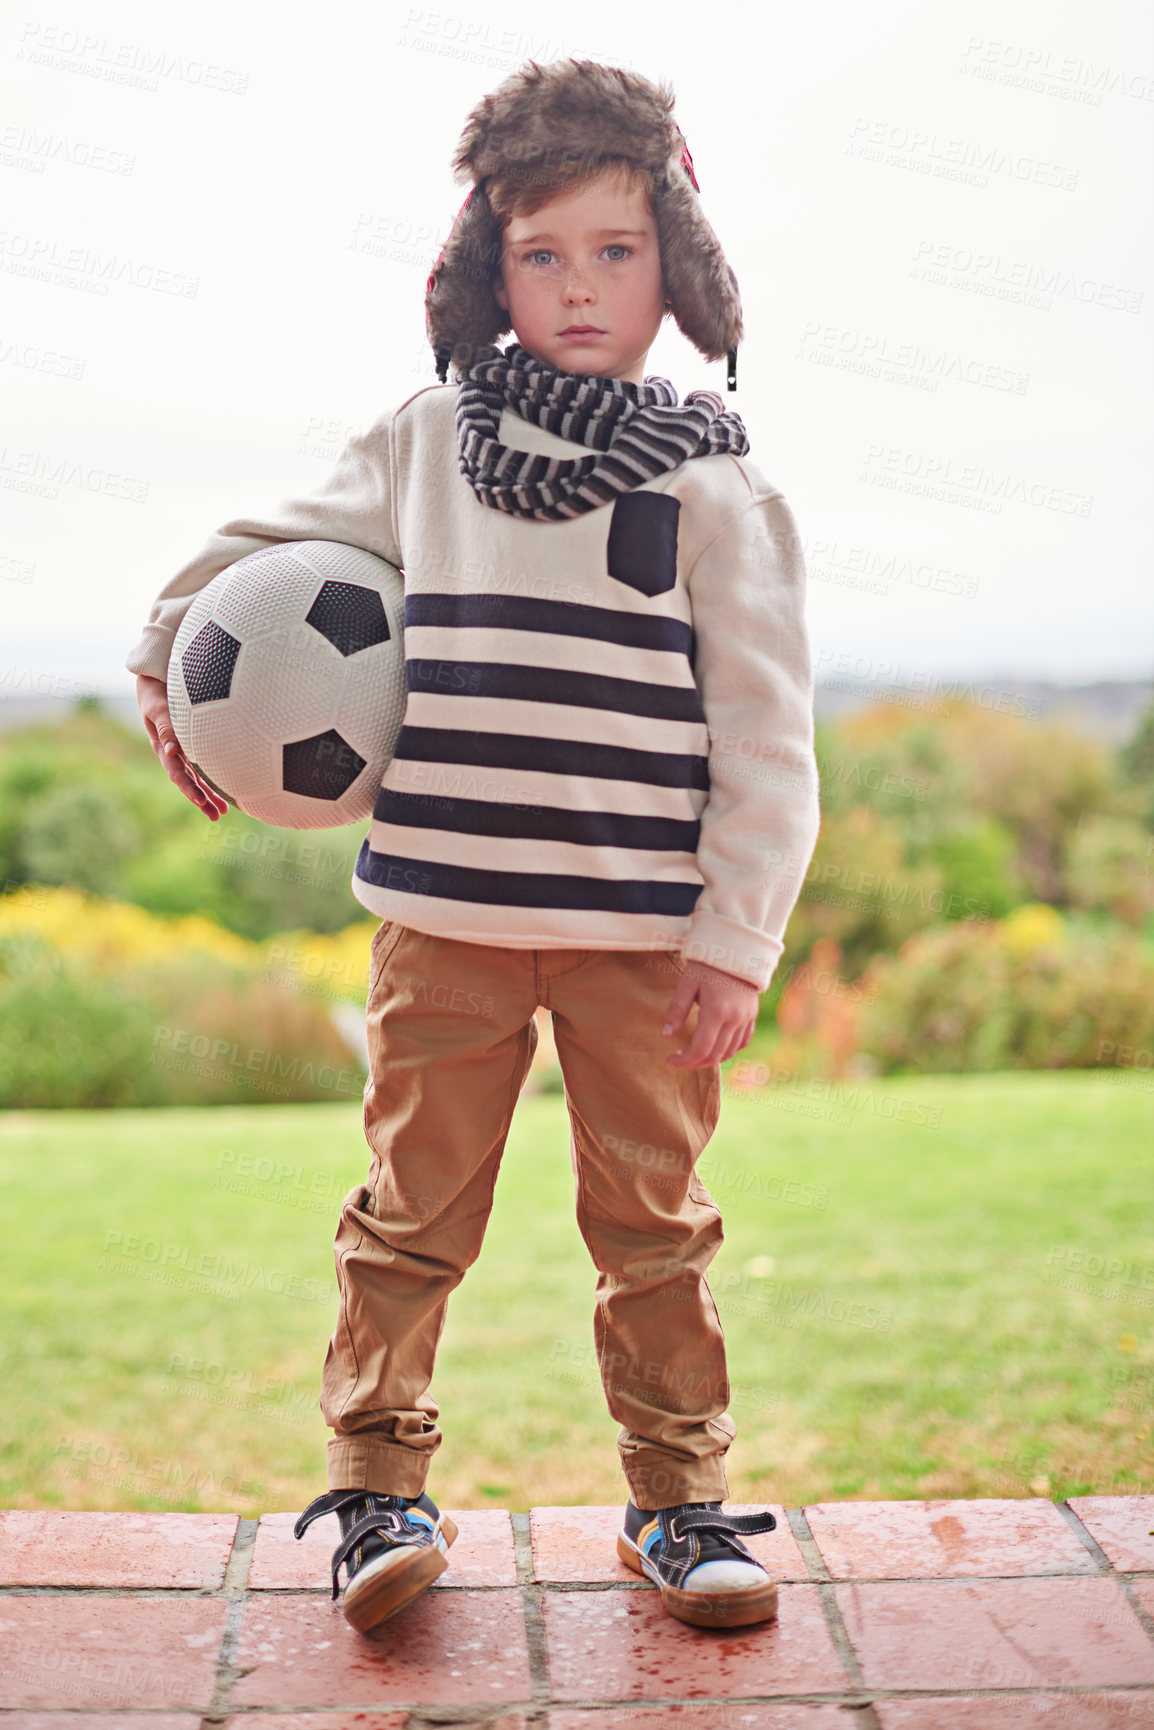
884 180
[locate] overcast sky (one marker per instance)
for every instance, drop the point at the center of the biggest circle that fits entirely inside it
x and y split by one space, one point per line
218 221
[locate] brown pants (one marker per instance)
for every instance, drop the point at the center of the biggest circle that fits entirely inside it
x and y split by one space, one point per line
452 1032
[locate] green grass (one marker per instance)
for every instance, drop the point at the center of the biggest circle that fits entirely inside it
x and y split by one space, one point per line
907 1339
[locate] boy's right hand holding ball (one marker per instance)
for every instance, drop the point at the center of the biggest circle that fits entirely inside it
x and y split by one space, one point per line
152 697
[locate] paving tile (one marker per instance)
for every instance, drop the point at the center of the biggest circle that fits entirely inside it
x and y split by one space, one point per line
615 1645
1122 1525
109 1651
573 1545
1081 1711
445 1648
318 1721
954 1636
945 1539
728 1717
100 1721
482 1554
57 1548
346 1720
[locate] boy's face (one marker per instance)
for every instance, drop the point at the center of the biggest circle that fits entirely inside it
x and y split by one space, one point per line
589 257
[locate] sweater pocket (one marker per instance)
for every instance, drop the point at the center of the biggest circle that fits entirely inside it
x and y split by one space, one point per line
642 547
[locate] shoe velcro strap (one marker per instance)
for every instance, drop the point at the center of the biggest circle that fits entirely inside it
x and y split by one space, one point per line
391 1525
330 1503
706 1520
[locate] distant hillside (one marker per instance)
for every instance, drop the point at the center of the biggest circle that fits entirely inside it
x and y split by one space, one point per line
1108 709
44 711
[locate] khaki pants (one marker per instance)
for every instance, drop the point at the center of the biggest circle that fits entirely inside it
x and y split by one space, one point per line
452 1032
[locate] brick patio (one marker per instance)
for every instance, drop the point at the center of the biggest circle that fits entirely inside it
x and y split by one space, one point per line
946 1615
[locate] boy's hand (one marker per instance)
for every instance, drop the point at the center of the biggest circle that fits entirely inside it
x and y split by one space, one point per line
152 697
726 1015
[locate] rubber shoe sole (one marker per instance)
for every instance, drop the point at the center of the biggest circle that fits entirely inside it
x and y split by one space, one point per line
704 1609
389 1582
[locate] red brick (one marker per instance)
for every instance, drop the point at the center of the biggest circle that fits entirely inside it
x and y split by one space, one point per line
572 1545
1021 1712
623 1645
946 1539
1122 1525
954 1635
481 1555
109 1651
445 1648
54 1548
729 1717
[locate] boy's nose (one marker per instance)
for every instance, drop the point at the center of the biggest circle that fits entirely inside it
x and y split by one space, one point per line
578 287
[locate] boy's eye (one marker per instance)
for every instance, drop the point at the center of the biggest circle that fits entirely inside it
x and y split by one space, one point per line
541 255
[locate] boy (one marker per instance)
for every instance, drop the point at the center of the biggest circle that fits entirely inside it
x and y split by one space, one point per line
604 784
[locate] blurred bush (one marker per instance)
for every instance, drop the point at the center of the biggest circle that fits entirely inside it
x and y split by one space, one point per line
1032 991
942 835
1110 867
84 802
104 1004
78 834
961 815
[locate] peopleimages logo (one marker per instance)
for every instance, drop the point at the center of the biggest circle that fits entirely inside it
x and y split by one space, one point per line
1020 281
228 1059
201 1270
80 266
106 58
1029 67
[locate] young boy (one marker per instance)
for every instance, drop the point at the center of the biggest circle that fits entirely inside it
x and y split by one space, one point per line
603 800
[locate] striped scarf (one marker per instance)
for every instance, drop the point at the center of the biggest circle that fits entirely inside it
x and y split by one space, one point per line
639 430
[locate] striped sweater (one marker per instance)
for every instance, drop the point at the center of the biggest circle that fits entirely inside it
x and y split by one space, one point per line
608 730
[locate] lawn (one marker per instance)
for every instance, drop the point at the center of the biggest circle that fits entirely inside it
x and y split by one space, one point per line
939 1286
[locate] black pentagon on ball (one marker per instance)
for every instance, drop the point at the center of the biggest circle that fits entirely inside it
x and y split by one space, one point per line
350 616
208 664
322 767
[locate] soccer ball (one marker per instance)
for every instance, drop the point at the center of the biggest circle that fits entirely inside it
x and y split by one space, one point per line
286 684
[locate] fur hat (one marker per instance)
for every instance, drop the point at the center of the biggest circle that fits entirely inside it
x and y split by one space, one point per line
570 116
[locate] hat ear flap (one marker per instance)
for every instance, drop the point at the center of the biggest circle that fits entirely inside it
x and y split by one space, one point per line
461 311
698 278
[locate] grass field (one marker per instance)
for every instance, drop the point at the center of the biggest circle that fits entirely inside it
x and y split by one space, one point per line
939 1286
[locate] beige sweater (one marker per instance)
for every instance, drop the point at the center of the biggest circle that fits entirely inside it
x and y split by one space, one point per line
608 733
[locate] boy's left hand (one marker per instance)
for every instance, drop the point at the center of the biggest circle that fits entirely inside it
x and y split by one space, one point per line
726 1015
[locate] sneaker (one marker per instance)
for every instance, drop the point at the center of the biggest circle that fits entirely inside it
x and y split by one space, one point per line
392 1548
704 1571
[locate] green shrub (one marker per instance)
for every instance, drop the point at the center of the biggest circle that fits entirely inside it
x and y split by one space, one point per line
78 833
1110 867
71 1037
181 1031
1028 992
977 865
